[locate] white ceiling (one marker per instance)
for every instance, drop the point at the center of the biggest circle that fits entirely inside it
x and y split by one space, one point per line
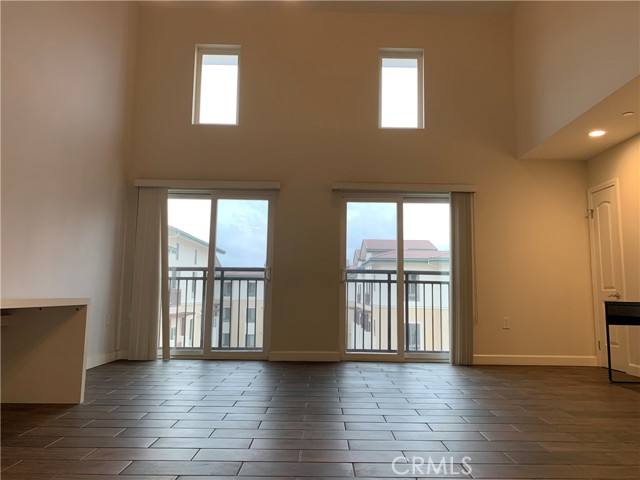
572 141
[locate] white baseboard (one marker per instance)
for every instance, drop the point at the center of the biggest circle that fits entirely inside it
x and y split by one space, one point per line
557 360
634 370
478 359
102 358
284 356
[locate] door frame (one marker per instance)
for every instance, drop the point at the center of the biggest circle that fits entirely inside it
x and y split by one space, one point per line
599 321
399 199
398 356
221 194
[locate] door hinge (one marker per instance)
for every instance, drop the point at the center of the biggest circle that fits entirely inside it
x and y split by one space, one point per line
589 213
599 345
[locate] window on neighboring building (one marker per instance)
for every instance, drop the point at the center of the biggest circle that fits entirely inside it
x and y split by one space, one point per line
401 88
172 334
414 336
216 84
250 336
227 288
413 290
251 289
189 335
226 327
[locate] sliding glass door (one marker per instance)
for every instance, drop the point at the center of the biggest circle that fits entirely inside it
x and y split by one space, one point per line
382 283
371 278
426 256
242 230
188 219
218 290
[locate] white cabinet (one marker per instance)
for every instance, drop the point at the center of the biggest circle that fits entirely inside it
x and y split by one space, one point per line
43 349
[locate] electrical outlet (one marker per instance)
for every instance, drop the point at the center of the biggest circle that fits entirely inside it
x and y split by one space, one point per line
506 323
108 319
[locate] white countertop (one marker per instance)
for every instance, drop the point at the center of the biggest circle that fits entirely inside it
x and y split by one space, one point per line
42 302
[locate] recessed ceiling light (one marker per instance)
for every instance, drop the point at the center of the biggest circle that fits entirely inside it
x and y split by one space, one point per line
628 114
596 133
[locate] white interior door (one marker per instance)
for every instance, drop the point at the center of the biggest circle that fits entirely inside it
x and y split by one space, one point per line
607 269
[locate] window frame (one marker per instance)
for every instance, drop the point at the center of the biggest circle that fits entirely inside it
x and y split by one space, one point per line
403 53
207 49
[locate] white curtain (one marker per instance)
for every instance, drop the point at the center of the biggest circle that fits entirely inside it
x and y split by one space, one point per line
147 268
463 309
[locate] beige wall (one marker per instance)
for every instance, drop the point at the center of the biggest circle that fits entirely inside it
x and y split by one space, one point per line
66 86
623 162
308 117
569 56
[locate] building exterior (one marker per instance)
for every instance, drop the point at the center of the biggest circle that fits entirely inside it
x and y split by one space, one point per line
188 263
238 298
372 297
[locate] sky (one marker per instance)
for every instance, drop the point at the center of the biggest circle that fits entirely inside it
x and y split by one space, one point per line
219 90
399 87
241 227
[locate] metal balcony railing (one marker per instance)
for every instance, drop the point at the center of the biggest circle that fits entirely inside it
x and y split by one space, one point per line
237 314
186 302
426 300
372 311
238 309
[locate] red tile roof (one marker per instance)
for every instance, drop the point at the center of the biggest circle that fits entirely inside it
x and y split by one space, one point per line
386 250
375 244
411 255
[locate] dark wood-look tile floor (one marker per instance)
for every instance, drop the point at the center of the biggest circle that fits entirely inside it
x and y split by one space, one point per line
197 420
